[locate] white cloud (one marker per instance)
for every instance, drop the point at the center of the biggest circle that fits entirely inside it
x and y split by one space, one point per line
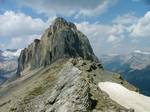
112 38
93 30
19 28
101 8
109 36
96 33
69 7
142 27
98 30
103 36
116 37
128 18
23 41
15 41
2 45
15 24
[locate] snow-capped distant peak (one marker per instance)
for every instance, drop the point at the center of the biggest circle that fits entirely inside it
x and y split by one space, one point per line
141 52
9 53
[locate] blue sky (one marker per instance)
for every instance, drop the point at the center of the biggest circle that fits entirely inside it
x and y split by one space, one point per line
112 26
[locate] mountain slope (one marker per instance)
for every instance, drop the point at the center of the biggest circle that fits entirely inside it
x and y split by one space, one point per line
60 73
141 79
134 67
68 85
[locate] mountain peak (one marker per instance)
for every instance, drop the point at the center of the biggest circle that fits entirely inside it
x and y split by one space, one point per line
59 20
60 40
60 23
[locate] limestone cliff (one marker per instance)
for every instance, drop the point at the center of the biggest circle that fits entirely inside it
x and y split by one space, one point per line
60 40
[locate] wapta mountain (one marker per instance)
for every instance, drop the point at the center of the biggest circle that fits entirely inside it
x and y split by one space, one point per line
60 73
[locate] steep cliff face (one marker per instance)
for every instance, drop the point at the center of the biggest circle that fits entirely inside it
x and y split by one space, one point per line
60 40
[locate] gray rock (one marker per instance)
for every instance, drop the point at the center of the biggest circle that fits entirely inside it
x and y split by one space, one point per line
60 40
71 93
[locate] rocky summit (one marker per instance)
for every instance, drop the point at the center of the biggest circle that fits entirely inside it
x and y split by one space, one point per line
60 73
60 40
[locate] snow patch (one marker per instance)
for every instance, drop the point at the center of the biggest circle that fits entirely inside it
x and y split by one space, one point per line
127 98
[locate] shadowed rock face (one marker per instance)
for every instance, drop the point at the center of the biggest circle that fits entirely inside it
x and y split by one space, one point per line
60 40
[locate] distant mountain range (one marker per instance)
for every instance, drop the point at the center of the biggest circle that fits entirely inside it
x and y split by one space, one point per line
134 67
10 53
8 63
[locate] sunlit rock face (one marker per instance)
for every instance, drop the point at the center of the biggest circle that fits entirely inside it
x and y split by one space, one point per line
60 40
